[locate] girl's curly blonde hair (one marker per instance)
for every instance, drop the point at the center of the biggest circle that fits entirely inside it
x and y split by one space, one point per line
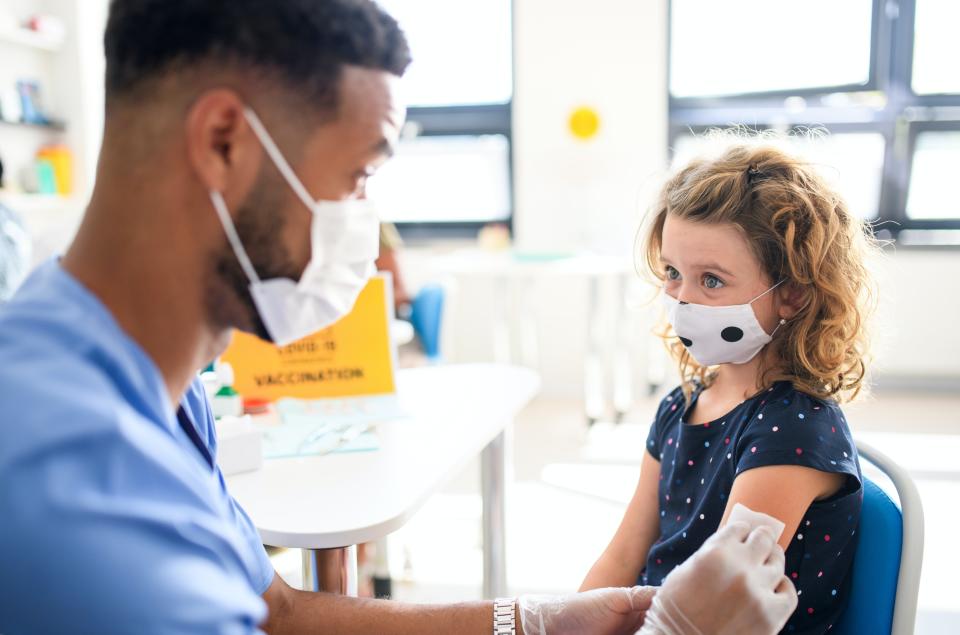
801 232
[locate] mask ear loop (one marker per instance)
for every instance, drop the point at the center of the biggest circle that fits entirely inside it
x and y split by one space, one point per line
278 159
232 237
779 324
782 320
767 291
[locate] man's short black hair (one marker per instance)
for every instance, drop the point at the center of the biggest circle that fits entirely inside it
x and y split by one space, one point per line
302 43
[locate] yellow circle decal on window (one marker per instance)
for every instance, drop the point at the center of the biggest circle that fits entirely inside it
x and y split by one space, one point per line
584 122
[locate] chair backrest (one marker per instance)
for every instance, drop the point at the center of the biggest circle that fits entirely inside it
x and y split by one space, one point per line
426 312
886 567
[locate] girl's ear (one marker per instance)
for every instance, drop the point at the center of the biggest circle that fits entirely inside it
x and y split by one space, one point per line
792 298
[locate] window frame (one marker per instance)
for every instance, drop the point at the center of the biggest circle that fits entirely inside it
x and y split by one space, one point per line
886 105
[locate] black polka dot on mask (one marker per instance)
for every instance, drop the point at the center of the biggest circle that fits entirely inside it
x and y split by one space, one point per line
686 342
731 334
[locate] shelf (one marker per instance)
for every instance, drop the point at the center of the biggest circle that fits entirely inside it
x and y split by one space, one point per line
53 126
29 39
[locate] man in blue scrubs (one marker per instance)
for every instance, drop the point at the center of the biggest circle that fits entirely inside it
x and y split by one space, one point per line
114 517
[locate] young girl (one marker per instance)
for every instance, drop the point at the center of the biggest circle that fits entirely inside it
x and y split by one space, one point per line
766 292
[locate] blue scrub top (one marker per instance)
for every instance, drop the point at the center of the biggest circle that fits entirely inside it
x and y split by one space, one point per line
111 520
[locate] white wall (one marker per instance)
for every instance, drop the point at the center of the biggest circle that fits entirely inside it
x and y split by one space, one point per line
609 55
572 195
918 322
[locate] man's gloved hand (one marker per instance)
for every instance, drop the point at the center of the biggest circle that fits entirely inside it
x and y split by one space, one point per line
600 611
734 585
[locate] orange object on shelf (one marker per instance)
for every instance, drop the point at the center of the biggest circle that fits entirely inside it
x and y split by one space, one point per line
61 158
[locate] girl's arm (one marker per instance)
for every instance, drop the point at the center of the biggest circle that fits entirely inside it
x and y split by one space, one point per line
626 555
782 491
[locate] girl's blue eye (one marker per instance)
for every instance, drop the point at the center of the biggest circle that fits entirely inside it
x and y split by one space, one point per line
672 274
712 282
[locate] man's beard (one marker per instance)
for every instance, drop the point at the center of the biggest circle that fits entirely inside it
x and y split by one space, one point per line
259 223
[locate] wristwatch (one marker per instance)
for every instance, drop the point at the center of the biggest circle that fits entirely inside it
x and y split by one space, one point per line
505 616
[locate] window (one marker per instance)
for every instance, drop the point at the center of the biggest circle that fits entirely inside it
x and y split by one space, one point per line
933 176
852 162
877 76
436 179
452 169
755 46
935 40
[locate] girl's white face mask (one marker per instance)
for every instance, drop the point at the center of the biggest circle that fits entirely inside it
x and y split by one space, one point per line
345 242
719 334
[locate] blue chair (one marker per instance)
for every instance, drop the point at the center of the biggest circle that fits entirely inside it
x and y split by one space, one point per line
886 566
426 313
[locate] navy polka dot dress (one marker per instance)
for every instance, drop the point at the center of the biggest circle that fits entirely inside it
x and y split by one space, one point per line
698 464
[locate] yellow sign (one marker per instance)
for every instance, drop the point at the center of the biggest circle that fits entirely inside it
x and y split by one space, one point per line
584 122
354 357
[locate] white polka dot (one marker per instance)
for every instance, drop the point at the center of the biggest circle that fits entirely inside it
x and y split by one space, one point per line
702 481
701 517
688 501
776 428
729 455
799 536
760 416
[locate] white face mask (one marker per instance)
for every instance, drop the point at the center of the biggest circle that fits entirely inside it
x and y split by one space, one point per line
344 243
719 334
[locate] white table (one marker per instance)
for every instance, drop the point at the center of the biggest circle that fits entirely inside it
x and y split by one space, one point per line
515 275
326 505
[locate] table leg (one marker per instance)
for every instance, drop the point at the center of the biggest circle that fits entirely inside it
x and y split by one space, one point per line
593 380
330 570
493 476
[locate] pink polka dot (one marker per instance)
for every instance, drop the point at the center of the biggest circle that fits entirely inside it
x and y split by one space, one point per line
690 462
794 575
706 425
669 441
827 538
820 575
678 518
726 441
799 451
668 496
659 561
810 611
754 449
833 429
673 407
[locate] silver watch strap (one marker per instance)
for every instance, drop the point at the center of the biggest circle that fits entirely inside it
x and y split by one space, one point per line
505 616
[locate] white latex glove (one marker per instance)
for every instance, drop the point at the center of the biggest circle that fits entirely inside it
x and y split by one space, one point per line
600 611
734 585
